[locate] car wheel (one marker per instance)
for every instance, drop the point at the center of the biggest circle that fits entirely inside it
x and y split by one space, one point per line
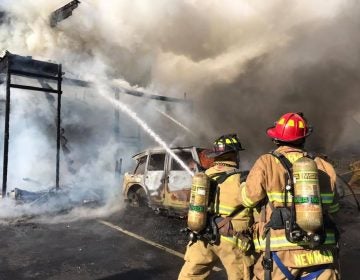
137 198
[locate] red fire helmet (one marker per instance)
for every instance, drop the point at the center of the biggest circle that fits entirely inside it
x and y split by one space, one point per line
290 127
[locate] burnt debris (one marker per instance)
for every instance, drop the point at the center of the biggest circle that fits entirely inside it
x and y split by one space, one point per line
63 13
61 200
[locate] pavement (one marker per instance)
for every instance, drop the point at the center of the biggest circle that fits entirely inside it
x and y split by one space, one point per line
135 244
95 249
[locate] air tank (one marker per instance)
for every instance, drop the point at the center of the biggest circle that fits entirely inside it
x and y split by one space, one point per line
307 195
198 202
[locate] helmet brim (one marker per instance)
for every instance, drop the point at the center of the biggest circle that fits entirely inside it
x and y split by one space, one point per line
212 154
271 132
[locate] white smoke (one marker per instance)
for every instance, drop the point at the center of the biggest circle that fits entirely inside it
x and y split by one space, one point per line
157 42
241 63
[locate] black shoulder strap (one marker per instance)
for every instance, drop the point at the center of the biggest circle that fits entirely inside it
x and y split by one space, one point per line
220 178
214 189
283 160
236 211
214 175
267 261
289 188
288 165
310 155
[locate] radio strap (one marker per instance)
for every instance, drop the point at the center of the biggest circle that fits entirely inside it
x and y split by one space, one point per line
267 261
220 178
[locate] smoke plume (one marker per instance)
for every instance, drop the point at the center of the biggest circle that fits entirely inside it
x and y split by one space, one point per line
242 64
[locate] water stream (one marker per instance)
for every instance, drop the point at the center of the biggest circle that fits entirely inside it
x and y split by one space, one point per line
175 121
124 108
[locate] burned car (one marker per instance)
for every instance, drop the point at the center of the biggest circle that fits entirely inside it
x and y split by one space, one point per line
355 178
160 182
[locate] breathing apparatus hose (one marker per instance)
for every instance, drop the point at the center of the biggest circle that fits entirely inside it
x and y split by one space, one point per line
351 190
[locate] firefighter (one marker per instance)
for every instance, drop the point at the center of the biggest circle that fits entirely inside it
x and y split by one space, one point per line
265 189
355 179
231 248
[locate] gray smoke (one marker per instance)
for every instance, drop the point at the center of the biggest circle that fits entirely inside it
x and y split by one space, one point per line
317 73
241 63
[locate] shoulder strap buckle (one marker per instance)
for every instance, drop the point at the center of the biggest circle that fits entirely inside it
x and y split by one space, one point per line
267 263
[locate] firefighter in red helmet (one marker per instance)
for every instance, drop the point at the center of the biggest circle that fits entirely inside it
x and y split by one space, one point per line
286 250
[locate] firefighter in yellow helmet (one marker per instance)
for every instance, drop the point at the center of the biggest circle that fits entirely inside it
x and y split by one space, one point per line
232 246
286 250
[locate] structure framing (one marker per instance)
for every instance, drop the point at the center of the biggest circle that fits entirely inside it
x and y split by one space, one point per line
16 65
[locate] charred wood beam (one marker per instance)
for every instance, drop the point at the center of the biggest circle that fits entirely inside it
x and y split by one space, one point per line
132 92
33 88
63 140
6 133
63 13
26 66
58 127
2 17
32 75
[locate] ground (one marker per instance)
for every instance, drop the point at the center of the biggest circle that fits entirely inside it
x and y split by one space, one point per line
90 249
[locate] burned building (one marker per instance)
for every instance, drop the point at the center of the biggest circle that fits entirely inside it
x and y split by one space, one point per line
81 138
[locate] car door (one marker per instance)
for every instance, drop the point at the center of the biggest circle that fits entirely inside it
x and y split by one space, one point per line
155 175
179 180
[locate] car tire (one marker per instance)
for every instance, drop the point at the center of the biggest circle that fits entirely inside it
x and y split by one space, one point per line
137 198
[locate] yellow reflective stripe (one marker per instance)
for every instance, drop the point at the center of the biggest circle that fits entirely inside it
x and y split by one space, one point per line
226 210
293 157
227 207
282 242
301 124
235 241
326 198
277 196
245 200
334 208
282 121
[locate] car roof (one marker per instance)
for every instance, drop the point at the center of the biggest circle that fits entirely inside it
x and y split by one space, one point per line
159 149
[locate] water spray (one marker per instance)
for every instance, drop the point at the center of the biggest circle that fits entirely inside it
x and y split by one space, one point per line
175 121
124 108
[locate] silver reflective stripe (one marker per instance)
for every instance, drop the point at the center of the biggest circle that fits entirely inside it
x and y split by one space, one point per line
282 242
